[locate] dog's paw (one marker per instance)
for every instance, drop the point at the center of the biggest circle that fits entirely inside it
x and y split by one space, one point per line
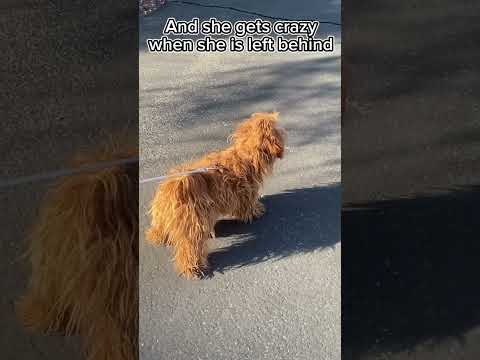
196 274
259 210
190 275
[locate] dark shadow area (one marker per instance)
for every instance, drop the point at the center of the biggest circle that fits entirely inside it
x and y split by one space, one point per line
297 221
409 271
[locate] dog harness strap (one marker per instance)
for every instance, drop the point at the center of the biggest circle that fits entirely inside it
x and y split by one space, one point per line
164 177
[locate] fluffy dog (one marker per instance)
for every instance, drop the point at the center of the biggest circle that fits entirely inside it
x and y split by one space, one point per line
185 208
84 259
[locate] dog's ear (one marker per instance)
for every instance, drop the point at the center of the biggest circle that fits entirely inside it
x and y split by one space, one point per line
275 144
273 141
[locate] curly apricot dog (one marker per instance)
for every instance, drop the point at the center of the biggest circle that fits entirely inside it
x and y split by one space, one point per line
83 252
186 207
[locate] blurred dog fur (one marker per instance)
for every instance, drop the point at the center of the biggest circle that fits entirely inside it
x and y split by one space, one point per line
84 259
185 208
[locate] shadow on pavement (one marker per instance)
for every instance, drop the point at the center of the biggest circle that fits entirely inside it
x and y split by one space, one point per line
293 88
296 222
422 291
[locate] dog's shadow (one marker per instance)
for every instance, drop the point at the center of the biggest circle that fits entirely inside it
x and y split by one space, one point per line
296 221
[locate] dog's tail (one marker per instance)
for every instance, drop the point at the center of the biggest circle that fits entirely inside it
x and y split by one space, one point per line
179 201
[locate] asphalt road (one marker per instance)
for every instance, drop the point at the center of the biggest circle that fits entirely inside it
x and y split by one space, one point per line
275 290
411 183
59 101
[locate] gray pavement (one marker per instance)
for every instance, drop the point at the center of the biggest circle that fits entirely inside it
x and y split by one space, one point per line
275 289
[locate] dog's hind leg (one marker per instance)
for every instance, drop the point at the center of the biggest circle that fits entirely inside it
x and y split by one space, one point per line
191 223
191 254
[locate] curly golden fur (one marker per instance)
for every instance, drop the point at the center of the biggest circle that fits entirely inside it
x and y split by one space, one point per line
185 208
84 260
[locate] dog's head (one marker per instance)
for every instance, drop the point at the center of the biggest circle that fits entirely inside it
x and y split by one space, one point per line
261 133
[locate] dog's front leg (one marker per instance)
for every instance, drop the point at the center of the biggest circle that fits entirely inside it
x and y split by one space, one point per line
250 211
258 209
